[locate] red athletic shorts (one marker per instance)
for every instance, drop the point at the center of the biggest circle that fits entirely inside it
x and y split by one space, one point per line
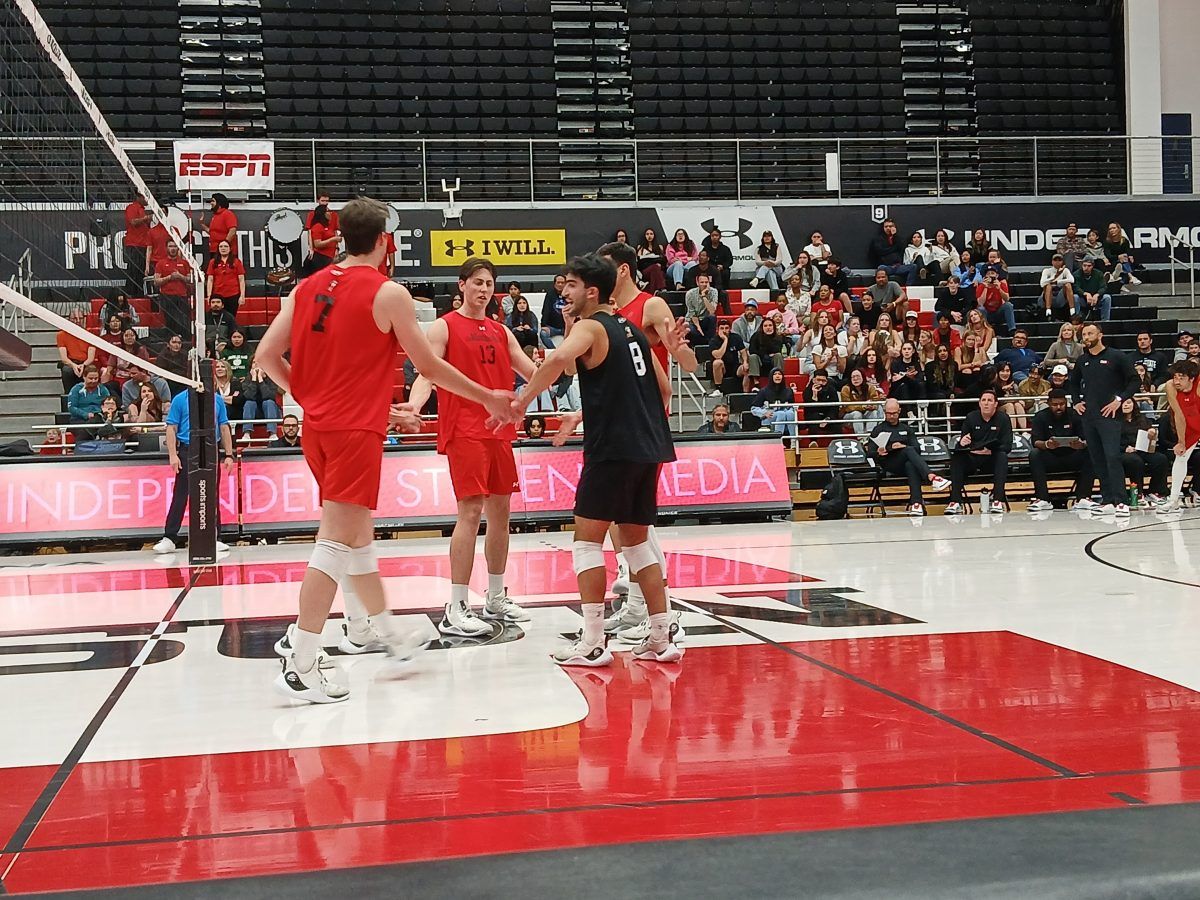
481 467
346 464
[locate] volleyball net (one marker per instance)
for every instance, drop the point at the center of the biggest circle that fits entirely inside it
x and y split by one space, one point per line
66 181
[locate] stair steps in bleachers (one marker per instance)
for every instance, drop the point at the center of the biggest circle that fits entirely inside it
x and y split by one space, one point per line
221 44
593 86
939 97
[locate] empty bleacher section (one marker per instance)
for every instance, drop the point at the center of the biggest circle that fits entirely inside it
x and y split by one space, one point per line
127 53
1053 69
715 68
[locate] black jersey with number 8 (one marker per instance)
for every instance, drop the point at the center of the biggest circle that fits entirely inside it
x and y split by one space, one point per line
623 414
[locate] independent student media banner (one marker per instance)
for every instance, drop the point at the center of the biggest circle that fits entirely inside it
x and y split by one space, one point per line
51 499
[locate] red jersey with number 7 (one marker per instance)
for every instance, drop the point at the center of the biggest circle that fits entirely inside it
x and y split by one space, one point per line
479 349
343 366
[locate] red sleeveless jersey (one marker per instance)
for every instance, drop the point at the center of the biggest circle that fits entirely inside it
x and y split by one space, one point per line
343 366
635 312
479 349
1189 404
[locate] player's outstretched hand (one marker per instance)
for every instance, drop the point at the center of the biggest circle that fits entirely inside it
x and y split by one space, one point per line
502 409
569 422
405 416
677 336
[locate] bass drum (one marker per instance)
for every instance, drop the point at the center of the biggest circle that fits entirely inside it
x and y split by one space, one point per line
178 222
285 226
393 219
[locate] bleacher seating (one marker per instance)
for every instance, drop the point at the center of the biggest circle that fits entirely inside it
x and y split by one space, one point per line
454 68
127 54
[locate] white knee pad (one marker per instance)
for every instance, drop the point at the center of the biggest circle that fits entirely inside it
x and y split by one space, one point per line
652 540
587 555
363 560
331 558
640 557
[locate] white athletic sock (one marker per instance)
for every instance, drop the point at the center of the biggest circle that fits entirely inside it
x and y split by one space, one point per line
305 645
356 613
459 598
636 600
1179 474
593 623
382 621
659 622
495 584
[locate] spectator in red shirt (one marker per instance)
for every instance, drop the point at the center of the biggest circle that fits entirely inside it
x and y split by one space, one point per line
388 266
222 226
137 239
992 294
173 277
324 238
158 239
323 201
226 278
944 333
111 331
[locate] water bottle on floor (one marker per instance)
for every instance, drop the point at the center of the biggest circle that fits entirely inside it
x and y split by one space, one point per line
985 502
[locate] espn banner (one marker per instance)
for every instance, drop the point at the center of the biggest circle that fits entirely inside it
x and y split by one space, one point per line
64 498
221 165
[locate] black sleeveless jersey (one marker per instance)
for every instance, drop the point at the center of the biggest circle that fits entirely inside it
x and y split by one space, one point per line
623 415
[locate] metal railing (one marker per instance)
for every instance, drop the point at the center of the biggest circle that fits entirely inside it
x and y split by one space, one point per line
1190 263
524 170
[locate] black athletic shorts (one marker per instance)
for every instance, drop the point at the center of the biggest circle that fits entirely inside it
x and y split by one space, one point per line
618 491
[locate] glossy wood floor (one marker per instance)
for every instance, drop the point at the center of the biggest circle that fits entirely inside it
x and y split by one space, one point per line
838 675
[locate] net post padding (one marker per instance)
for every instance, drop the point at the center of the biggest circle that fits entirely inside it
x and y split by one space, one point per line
204 497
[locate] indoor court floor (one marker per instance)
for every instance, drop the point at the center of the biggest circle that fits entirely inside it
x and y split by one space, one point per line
955 681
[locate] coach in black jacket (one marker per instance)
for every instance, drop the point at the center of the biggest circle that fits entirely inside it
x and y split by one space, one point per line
985 442
1101 379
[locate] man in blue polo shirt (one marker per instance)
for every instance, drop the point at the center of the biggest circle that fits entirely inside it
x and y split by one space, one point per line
179 433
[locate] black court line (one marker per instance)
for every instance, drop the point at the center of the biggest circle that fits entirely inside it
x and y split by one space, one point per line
1126 798
601 807
1089 549
887 692
16 843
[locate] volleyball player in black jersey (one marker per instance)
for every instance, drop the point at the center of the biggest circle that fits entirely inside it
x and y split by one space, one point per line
626 440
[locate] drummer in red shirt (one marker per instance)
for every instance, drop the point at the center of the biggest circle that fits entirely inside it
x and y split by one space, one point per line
137 239
226 278
322 201
222 226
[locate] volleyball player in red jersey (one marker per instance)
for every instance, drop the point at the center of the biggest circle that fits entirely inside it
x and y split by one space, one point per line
343 327
631 623
482 468
1183 402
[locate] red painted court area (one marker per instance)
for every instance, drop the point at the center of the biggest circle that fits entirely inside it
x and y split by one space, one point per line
738 740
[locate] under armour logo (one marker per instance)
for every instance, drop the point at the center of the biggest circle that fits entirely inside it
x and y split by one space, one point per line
742 233
467 248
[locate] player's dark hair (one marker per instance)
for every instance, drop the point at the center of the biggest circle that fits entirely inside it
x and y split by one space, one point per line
1189 368
362 222
594 270
620 254
473 265
995 396
1057 394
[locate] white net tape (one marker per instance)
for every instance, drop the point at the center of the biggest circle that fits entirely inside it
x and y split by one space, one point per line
8 295
56 55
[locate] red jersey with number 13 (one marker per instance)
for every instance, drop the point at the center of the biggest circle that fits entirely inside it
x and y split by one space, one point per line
479 349
343 366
